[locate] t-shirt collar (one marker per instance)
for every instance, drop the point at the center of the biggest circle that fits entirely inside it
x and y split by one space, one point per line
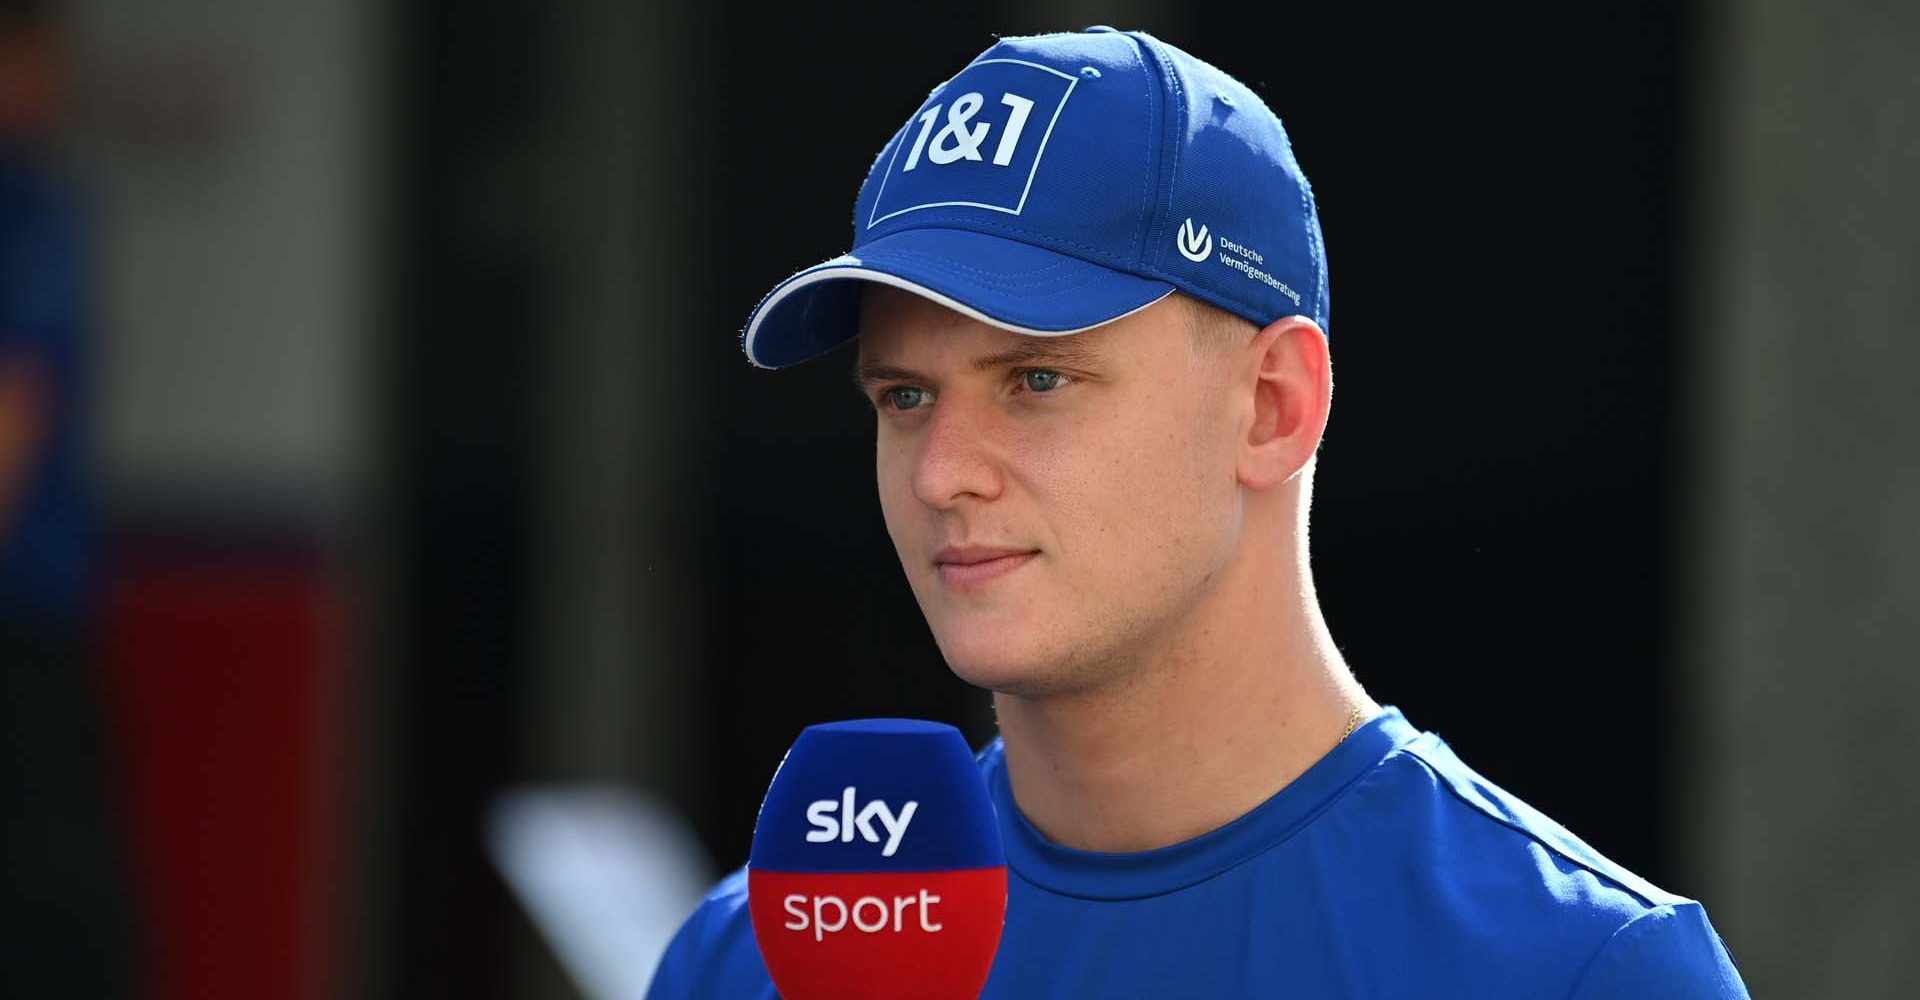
1129 875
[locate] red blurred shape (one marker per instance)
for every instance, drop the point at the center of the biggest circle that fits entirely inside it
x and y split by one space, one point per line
225 667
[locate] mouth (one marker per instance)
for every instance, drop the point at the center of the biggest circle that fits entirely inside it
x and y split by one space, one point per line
971 569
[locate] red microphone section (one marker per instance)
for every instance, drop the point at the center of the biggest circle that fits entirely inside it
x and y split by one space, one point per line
879 936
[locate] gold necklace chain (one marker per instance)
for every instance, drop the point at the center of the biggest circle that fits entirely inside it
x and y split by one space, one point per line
1353 720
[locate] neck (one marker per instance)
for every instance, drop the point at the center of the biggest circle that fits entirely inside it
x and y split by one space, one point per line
1238 700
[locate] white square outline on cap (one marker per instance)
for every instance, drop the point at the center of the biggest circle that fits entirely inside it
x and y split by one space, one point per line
1072 82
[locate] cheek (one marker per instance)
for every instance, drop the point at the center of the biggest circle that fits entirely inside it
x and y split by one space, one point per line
906 518
890 465
1151 495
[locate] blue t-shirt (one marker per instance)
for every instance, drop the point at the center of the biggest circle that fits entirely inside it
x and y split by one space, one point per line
1388 869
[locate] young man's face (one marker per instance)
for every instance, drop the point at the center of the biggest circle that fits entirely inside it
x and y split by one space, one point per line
1098 467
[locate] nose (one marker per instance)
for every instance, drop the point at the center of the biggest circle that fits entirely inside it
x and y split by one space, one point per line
958 457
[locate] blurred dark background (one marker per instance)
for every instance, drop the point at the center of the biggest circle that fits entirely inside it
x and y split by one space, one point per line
423 465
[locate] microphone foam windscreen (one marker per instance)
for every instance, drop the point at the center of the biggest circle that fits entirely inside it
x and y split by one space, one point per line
877 869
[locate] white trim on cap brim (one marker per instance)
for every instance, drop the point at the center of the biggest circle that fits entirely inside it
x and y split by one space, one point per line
838 268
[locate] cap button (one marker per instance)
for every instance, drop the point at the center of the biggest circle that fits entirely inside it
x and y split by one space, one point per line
1102 27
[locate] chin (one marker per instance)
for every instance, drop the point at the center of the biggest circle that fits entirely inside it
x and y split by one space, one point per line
986 656
1003 660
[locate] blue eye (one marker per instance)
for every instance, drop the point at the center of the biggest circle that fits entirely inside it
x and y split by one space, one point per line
905 397
1043 380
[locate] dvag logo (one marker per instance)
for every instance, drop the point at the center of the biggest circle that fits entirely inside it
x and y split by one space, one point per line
976 142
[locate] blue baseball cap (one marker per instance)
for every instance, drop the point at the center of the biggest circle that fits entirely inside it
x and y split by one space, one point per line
1060 182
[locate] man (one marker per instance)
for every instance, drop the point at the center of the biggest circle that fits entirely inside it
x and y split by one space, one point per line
1090 296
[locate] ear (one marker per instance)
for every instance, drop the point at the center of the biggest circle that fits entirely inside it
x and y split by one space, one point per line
1291 374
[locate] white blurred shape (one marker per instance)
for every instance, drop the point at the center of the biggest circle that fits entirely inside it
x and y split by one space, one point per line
608 875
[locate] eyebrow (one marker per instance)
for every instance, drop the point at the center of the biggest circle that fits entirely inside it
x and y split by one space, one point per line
1069 351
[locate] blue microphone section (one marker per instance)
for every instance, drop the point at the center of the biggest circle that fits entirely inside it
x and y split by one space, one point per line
877 795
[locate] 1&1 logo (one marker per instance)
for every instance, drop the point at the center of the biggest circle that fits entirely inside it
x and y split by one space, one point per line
976 143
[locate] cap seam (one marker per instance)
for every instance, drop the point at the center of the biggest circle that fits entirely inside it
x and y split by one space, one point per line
1150 272
938 263
1229 303
1030 237
1172 124
1143 269
1315 251
954 265
891 144
1150 178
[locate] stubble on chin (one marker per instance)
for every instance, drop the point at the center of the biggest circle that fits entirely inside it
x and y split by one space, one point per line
1048 665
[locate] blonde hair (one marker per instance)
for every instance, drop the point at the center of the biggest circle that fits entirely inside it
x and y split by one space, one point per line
1212 330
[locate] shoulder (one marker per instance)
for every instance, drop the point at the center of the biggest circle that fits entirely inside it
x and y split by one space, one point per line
1504 819
714 954
1669 951
1514 881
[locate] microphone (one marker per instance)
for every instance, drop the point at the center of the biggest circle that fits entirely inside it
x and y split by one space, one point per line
877 871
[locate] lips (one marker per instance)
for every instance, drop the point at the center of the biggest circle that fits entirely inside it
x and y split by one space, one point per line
969 567
964 555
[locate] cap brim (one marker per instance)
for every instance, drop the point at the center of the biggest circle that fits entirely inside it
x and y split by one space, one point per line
1012 285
